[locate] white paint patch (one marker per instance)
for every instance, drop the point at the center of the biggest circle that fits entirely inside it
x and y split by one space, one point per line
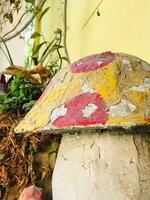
58 112
86 88
89 109
126 62
45 128
145 66
80 63
99 62
143 87
122 109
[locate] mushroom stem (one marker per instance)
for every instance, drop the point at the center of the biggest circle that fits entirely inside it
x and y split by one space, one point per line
112 165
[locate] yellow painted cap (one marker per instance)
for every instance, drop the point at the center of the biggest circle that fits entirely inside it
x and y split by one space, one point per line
101 90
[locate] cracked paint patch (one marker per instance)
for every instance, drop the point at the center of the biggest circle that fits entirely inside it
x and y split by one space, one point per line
60 111
94 62
86 88
83 110
145 66
88 110
143 87
126 62
89 90
122 109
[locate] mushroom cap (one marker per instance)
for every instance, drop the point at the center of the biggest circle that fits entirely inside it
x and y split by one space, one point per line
101 90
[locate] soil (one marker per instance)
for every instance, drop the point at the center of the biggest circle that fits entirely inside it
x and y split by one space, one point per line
24 158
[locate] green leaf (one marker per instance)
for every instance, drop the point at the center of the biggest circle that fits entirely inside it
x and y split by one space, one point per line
35 34
21 95
43 13
65 58
53 149
49 50
43 56
37 48
2 157
33 149
55 47
30 1
58 31
29 105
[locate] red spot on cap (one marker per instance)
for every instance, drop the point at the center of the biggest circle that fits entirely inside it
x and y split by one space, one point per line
75 106
94 62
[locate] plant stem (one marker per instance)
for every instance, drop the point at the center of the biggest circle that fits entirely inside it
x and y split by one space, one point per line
58 52
15 25
8 52
91 15
5 55
37 9
65 30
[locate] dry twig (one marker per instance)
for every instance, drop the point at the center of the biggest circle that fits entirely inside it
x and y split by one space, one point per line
37 9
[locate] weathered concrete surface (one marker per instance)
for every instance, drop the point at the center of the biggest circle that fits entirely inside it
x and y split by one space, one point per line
101 90
108 166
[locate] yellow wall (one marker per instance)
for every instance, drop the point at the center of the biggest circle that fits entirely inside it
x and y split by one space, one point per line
124 26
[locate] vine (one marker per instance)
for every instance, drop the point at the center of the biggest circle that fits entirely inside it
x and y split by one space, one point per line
94 11
65 30
38 7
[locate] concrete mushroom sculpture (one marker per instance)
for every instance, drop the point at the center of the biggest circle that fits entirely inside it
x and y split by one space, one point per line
101 106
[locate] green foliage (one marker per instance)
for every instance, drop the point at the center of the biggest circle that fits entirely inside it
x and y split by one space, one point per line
53 149
43 13
33 149
30 1
21 96
58 31
2 157
37 48
35 34
47 53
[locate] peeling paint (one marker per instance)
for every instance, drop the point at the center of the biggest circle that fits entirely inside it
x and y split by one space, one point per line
58 112
143 87
88 110
126 62
86 88
75 107
122 109
145 66
94 62
101 90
